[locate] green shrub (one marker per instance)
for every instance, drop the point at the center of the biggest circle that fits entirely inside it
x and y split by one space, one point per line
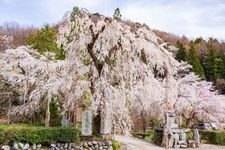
150 134
158 136
213 137
155 122
115 145
189 135
41 135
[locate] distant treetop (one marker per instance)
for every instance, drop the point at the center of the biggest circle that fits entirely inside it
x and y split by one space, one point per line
117 15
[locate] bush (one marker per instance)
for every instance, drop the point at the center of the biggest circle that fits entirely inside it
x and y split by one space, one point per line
40 135
158 136
213 137
150 134
189 135
115 145
156 122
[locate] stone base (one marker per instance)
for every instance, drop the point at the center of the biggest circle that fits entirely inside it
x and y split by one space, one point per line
183 146
106 137
86 138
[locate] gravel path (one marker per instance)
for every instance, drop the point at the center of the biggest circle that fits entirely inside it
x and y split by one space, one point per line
131 143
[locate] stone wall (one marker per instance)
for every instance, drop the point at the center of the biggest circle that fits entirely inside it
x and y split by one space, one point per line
84 145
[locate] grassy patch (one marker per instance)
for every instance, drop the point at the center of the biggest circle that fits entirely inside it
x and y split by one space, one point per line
213 137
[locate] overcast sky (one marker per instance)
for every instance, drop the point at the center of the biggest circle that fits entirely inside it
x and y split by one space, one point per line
193 18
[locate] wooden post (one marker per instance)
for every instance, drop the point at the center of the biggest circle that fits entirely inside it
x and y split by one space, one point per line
47 117
9 109
69 117
74 117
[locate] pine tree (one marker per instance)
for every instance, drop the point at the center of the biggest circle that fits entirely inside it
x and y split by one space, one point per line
181 53
221 66
193 59
45 41
74 13
213 65
117 15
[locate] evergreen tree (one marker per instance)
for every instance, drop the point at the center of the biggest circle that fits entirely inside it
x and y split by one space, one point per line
193 59
213 65
55 113
181 53
45 41
198 40
117 15
74 13
221 66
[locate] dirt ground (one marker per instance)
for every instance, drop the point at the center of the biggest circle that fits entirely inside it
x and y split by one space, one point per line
131 143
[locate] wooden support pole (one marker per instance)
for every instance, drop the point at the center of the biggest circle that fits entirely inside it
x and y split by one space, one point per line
9 109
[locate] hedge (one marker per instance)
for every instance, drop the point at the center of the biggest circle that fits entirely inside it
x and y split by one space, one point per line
40 135
213 137
158 136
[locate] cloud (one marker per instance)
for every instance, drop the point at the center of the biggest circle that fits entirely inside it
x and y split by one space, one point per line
55 9
181 17
8 2
190 17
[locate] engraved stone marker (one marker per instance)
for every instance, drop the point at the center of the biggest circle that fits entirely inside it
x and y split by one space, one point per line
106 125
64 121
106 120
86 123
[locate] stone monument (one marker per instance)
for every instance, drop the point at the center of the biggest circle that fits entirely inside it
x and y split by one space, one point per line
106 121
64 121
196 137
86 123
171 121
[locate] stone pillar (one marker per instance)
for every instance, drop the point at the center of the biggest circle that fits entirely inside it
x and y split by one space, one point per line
106 120
171 140
86 123
176 139
183 136
196 137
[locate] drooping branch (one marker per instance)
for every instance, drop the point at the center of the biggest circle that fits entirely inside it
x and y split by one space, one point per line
113 50
23 71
